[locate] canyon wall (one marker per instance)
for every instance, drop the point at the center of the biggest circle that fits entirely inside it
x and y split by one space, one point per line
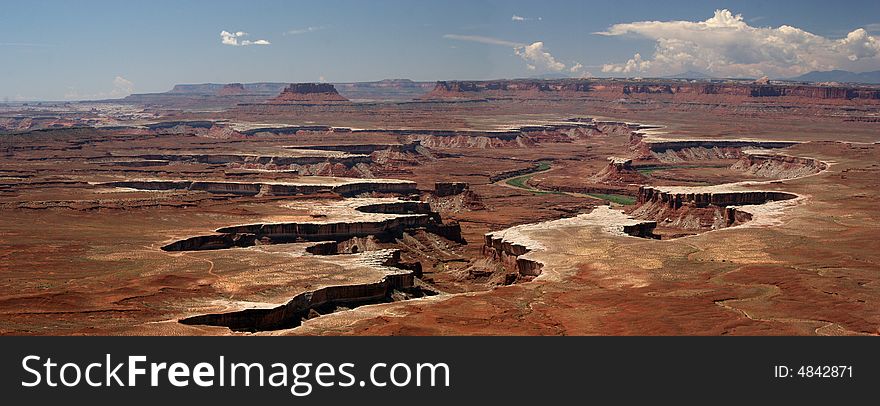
316 302
508 254
769 165
616 88
676 197
402 216
696 209
269 188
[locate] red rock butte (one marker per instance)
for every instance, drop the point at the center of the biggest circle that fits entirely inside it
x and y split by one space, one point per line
299 93
232 89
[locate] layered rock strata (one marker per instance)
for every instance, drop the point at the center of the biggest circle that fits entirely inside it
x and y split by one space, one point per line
308 93
600 88
344 188
395 219
694 208
397 284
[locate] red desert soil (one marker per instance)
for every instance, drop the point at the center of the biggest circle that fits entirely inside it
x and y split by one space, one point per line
766 214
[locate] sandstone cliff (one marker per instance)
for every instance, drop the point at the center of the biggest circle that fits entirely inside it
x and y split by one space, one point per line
308 93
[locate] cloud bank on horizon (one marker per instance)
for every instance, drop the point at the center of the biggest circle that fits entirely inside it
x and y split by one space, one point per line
725 45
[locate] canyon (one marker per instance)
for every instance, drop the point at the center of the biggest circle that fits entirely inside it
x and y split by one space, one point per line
565 207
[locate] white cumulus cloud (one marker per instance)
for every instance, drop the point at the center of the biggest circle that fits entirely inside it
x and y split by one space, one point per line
122 86
534 54
237 39
726 45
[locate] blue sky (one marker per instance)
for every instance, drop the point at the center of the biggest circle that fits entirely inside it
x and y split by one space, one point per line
56 50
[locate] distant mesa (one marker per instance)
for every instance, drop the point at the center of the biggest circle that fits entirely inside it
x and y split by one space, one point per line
456 87
614 89
232 89
307 93
690 75
501 88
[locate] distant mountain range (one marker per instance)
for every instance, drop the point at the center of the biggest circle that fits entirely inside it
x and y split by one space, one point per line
840 76
552 76
689 75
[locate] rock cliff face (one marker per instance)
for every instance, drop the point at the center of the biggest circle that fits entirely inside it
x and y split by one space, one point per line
523 136
506 88
753 157
443 189
364 148
350 188
769 165
676 197
697 210
648 89
407 216
619 171
508 254
696 150
398 284
308 93
741 90
606 88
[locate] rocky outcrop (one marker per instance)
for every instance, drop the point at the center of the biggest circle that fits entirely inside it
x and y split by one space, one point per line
698 208
405 216
677 145
514 173
443 189
245 159
398 284
523 136
643 229
282 233
510 247
522 88
676 197
350 188
619 171
355 188
213 242
508 253
649 88
308 93
453 197
777 166
735 90
753 157
696 150
363 148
